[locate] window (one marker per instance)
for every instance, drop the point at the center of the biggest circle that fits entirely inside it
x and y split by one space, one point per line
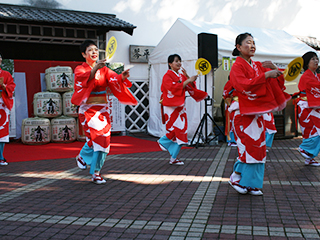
35 30
12 29
81 34
24 30
47 31
58 32
69 32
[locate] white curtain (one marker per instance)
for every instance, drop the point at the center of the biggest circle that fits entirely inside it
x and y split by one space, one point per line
21 102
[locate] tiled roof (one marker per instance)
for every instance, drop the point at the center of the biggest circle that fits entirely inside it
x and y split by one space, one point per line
62 16
311 41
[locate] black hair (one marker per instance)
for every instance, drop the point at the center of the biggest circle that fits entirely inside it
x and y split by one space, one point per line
306 59
171 59
85 44
239 41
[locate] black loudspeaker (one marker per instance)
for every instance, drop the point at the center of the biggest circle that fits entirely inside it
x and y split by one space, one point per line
208 48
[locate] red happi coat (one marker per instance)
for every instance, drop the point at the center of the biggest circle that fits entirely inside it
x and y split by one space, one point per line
173 98
269 123
7 95
173 93
105 77
6 104
309 107
249 133
256 95
310 84
95 118
227 90
227 95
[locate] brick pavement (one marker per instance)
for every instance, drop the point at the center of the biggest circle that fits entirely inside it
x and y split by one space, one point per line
146 198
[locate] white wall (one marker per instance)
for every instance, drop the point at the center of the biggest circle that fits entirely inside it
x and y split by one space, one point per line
140 70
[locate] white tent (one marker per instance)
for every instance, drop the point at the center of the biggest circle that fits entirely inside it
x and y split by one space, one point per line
275 45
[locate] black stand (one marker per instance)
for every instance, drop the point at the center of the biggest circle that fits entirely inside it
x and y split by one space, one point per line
204 122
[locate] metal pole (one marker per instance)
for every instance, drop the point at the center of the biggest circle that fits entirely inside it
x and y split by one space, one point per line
206 111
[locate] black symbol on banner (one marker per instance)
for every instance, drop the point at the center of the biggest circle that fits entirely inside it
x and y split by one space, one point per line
66 133
38 132
51 106
112 46
294 69
64 80
203 66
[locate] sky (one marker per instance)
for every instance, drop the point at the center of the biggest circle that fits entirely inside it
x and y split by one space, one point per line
153 18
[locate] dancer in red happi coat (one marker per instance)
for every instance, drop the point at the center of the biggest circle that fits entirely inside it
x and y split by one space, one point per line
7 87
174 85
309 109
256 91
93 81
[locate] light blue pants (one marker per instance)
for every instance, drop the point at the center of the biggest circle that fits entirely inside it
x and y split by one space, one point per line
232 140
95 159
251 173
311 145
269 139
1 150
172 147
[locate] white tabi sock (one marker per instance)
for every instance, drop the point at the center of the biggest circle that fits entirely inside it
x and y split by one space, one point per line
235 177
172 159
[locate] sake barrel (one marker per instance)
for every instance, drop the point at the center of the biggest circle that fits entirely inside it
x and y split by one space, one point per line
63 129
59 79
68 109
47 104
35 131
80 132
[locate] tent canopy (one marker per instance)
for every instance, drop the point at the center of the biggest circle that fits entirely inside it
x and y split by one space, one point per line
182 37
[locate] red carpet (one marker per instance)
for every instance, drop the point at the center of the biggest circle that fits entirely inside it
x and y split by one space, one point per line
18 152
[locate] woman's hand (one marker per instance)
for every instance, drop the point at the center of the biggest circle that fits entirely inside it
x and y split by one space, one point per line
100 64
193 78
190 80
125 74
269 64
273 73
184 72
4 87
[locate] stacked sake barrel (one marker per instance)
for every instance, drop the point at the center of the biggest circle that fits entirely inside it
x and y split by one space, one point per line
36 131
55 119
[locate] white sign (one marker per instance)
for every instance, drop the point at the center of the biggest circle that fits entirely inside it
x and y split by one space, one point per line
117 114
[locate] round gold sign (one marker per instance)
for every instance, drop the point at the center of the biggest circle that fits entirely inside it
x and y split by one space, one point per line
293 69
111 47
203 66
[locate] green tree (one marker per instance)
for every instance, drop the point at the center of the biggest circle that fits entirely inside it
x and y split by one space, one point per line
7 65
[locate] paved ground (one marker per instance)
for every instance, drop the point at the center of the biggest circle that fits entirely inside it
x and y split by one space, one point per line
146 198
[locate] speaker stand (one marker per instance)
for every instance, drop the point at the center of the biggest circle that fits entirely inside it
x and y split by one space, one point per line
204 123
